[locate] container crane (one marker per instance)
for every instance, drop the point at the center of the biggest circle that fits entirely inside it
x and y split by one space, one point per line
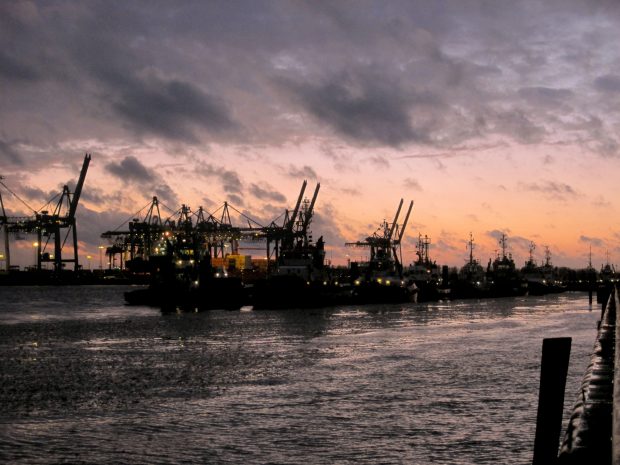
385 248
54 225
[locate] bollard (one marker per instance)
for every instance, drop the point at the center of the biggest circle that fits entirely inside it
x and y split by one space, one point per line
553 370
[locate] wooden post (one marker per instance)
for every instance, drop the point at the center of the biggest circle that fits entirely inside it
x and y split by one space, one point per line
553 370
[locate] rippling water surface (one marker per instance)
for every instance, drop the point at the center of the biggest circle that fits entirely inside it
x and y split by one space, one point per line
85 379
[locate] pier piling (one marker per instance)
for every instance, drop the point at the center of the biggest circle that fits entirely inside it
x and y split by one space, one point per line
553 371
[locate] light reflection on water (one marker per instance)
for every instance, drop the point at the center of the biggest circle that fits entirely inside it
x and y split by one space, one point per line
93 381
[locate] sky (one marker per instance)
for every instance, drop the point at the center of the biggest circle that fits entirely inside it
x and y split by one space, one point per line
492 116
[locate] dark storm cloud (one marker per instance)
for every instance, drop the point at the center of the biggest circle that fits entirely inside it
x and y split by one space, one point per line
306 172
551 188
34 193
98 196
265 192
229 180
369 73
171 108
90 223
360 106
497 234
595 241
413 184
445 245
9 154
235 199
379 162
520 243
165 193
518 125
545 96
324 224
130 168
608 83
13 69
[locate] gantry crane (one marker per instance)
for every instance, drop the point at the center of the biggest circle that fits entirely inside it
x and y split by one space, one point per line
61 221
55 227
385 243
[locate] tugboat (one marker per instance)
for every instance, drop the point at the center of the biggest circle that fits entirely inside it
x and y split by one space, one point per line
541 279
425 273
607 278
381 279
300 278
502 276
471 281
534 276
550 274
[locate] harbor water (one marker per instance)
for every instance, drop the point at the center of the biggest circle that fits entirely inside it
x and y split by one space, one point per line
86 379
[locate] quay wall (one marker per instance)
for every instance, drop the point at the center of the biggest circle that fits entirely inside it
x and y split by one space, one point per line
588 437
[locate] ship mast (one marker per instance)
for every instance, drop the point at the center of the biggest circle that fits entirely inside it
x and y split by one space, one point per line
502 242
532 248
470 245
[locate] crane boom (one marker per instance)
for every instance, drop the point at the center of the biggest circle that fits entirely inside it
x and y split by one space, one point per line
402 231
293 217
78 188
395 220
311 207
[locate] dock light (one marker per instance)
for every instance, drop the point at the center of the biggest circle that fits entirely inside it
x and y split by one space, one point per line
179 262
36 253
324 283
100 257
357 282
379 280
387 283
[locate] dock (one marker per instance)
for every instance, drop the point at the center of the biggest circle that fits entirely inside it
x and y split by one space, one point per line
593 432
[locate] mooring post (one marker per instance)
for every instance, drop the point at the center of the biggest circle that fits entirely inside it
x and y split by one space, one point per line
553 370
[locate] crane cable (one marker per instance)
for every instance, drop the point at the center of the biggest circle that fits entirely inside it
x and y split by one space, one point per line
17 196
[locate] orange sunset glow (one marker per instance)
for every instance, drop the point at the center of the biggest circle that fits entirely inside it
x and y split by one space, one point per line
488 123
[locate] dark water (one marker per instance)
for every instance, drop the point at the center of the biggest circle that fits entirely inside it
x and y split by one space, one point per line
85 379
